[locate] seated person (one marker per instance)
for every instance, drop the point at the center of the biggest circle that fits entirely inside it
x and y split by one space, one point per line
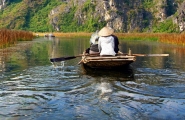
107 44
94 48
93 44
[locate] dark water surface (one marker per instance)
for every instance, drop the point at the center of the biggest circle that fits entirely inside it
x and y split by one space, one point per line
32 88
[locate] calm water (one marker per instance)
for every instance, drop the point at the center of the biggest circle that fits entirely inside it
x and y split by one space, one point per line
32 88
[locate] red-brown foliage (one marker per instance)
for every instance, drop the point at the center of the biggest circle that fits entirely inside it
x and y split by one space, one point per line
9 37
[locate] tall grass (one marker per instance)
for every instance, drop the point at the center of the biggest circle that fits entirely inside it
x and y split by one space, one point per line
138 36
9 37
171 38
178 39
69 34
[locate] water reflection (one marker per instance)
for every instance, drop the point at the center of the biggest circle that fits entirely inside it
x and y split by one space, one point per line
105 89
34 88
124 74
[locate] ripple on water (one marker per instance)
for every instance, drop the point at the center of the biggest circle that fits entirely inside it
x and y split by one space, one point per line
36 86
43 92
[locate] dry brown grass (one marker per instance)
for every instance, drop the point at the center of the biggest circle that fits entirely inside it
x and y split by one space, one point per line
60 34
178 39
138 36
8 37
171 38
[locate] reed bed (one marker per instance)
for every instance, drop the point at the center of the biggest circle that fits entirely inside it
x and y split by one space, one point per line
178 39
79 34
72 34
171 38
138 36
9 37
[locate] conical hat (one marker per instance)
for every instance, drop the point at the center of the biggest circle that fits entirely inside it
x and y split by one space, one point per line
106 31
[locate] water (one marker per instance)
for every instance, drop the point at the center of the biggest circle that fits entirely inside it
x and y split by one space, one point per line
32 88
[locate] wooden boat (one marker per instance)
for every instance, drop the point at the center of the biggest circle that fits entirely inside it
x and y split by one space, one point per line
107 62
49 35
103 62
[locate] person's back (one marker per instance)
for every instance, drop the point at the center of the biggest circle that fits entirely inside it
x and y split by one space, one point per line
106 41
93 49
106 45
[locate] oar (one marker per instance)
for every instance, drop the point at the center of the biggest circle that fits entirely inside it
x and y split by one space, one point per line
143 55
137 55
63 58
151 55
70 57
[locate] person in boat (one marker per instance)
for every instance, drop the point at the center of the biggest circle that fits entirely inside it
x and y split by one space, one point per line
93 44
108 43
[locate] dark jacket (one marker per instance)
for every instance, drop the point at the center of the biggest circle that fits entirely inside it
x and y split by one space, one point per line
94 47
116 43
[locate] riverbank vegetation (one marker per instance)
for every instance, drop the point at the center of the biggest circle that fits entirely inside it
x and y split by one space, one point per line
170 38
9 37
69 34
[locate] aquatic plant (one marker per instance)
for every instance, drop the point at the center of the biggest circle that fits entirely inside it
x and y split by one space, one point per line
69 34
178 39
171 38
9 37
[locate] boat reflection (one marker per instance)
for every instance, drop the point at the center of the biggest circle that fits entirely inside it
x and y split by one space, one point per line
105 89
125 74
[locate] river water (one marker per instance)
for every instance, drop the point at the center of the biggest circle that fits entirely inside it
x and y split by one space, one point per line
33 88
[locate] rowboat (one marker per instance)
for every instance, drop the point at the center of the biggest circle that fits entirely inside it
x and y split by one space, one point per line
49 35
107 62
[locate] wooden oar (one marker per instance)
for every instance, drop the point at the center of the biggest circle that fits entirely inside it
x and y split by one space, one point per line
137 55
70 57
143 55
151 55
63 58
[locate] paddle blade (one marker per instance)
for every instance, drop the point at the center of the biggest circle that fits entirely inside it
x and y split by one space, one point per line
61 59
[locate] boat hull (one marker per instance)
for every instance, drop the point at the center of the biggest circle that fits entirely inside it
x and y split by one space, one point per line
107 62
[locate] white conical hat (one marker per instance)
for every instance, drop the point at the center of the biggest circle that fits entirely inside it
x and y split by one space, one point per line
106 31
